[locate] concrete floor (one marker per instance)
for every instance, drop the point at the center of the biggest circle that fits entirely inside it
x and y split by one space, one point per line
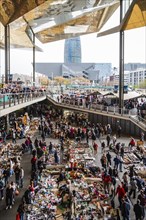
10 214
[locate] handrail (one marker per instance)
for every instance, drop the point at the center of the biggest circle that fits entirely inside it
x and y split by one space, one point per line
92 106
11 99
121 112
115 109
24 93
138 119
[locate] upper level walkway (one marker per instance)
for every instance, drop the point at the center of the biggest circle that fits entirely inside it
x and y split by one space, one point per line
101 110
13 102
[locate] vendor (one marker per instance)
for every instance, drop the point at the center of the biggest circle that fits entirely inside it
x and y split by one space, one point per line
61 176
131 144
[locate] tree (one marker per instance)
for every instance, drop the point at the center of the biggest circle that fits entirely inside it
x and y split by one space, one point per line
44 81
61 80
142 85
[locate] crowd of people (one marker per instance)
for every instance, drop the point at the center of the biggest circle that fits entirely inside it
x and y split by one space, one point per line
14 88
101 102
120 184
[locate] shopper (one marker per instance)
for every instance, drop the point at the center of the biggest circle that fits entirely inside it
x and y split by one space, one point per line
122 150
116 161
56 158
106 182
141 197
21 211
125 208
108 156
125 177
103 146
131 144
108 138
21 177
103 161
13 185
6 175
133 186
4 135
17 172
121 161
119 129
138 211
131 171
95 147
121 193
114 140
14 136
27 196
34 163
1 189
142 136
9 196
50 148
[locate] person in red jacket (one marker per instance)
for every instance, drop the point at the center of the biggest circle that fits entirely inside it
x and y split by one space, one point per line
131 144
121 194
95 147
33 163
106 181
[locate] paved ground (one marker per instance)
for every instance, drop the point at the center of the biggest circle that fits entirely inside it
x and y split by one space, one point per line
11 214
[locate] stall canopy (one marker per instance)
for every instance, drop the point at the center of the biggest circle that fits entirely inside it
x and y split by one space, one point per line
127 96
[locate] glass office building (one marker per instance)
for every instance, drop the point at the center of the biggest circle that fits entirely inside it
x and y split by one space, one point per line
72 50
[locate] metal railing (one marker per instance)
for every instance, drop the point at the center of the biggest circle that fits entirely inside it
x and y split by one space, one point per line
111 110
13 99
9 100
93 106
139 120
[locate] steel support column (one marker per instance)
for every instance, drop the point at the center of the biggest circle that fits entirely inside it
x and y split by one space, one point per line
121 62
7 53
33 77
7 123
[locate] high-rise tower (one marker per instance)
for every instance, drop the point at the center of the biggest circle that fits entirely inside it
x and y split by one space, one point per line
72 50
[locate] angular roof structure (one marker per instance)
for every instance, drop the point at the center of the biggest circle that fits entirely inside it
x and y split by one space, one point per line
10 10
135 17
53 20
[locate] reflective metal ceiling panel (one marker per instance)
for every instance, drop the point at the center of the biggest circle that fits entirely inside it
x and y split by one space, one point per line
53 20
89 21
18 37
10 10
137 18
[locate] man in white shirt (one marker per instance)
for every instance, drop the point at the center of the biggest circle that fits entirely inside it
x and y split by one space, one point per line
21 177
